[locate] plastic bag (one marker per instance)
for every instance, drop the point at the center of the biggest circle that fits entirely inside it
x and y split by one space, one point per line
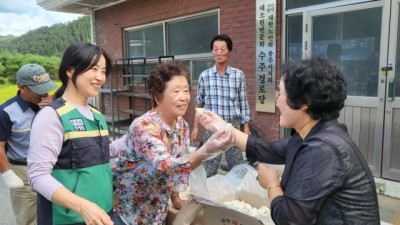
189 213
236 175
239 183
198 182
220 188
213 188
251 190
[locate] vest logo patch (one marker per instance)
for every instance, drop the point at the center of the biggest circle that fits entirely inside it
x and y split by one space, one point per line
78 124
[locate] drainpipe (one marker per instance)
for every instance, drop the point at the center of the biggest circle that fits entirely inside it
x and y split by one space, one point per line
94 101
93 38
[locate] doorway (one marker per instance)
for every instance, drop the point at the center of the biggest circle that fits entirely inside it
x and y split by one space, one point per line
362 40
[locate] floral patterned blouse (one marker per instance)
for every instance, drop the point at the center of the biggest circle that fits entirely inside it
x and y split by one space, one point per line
153 163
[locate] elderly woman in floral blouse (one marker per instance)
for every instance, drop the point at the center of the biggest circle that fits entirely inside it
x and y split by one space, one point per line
155 164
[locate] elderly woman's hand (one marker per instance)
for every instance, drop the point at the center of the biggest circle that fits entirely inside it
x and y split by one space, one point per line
210 120
219 142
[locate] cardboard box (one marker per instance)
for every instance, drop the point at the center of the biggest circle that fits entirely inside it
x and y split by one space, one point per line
239 184
209 194
216 213
173 213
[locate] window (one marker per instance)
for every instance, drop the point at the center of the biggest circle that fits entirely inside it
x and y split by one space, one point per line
146 41
294 37
191 36
351 42
187 39
199 66
291 4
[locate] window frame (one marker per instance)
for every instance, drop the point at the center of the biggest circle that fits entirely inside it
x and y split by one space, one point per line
192 58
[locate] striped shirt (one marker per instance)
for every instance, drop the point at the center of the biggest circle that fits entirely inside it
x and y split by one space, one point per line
225 95
16 117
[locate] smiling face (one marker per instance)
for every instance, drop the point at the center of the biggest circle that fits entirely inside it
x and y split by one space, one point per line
288 118
89 82
175 99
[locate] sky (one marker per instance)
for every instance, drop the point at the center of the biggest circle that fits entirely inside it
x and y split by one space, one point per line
17 17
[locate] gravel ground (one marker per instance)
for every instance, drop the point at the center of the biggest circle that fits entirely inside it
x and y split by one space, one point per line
6 213
388 207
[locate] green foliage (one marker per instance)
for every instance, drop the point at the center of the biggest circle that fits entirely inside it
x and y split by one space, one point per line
48 41
10 64
43 46
2 68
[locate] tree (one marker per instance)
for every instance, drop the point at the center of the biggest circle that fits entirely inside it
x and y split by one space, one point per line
43 46
10 64
48 41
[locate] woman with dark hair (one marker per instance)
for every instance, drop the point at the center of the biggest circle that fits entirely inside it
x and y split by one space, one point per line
70 150
155 164
326 180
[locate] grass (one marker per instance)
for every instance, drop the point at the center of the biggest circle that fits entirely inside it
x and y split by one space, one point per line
9 91
6 92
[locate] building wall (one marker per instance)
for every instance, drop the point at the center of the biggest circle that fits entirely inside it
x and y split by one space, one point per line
237 19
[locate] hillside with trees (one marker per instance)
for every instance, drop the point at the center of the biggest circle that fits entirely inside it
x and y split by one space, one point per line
48 41
43 46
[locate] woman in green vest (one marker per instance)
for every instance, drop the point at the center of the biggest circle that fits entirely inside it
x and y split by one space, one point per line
70 150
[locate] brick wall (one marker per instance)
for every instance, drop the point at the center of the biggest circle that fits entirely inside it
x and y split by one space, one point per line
237 19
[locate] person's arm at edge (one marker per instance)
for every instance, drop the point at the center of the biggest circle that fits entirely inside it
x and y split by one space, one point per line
117 146
5 132
88 210
194 135
220 141
199 101
4 165
212 118
269 179
41 162
244 105
8 175
195 159
246 128
241 140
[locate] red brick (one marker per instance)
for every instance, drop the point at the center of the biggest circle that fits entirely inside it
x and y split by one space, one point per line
237 19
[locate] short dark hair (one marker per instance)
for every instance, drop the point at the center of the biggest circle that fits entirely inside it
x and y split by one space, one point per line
316 83
161 74
222 37
81 57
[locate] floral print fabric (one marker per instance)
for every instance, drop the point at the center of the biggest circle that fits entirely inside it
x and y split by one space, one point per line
153 164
